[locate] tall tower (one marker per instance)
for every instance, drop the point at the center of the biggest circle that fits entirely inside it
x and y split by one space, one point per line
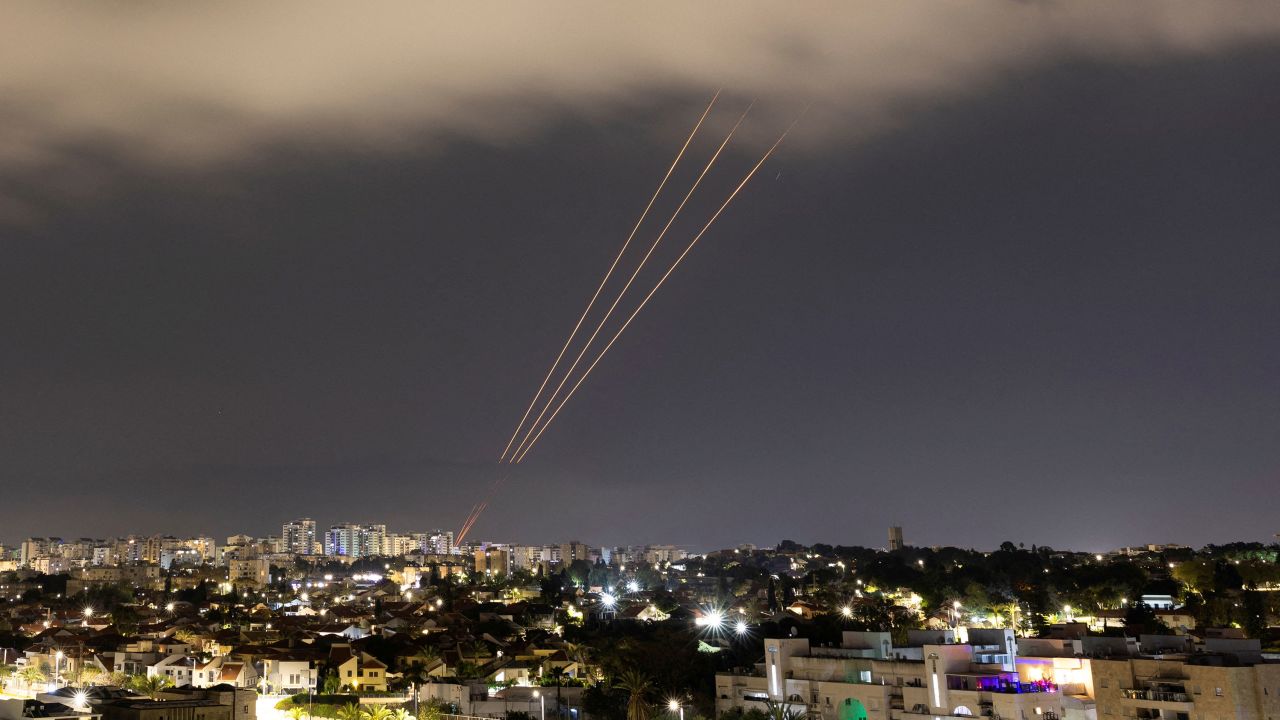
895 537
299 536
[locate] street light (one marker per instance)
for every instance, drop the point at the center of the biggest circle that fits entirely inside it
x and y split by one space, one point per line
542 704
675 707
57 668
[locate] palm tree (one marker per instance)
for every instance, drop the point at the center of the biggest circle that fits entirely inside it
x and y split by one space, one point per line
638 686
297 712
557 674
150 685
400 714
32 674
376 712
350 711
477 648
416 672
580 654
783 711
430 657
185 635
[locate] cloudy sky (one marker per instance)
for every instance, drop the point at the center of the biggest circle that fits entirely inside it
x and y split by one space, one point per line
1012 276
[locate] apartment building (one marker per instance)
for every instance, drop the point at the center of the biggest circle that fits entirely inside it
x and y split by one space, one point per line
867 678
1209 685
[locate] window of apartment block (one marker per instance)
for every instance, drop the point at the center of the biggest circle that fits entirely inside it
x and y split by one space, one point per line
1217 691
1195 689
1106 683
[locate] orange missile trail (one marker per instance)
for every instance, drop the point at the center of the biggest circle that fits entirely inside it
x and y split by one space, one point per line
609 273
661 280
467 523
609 313
479 508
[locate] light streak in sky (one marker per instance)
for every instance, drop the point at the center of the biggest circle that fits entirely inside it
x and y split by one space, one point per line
520 457
609 313
607 275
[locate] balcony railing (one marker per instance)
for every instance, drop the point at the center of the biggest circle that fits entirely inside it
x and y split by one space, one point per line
1156 695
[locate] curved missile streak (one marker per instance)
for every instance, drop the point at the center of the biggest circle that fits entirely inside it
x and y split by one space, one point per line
608 273
609 313
520 457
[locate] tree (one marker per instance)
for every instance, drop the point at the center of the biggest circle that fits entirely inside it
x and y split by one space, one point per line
297 712
638 686
1141 619
185 635
89 674
150 685
783 711
557 674
332 683
416 673
32 674
376 712
350 711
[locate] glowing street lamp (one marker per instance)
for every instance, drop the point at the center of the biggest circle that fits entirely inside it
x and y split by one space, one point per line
740 627
542 704
846 611
713 620
675 707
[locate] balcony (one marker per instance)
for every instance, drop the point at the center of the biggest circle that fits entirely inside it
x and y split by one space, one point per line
1157 699
1156 695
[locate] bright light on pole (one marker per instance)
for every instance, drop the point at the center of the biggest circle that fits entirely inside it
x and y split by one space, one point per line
712 619
675 707
846 611
740 627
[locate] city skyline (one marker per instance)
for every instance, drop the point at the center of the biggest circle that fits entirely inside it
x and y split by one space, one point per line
1011 276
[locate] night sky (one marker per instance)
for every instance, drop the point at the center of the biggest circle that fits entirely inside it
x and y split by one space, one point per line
1013 276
